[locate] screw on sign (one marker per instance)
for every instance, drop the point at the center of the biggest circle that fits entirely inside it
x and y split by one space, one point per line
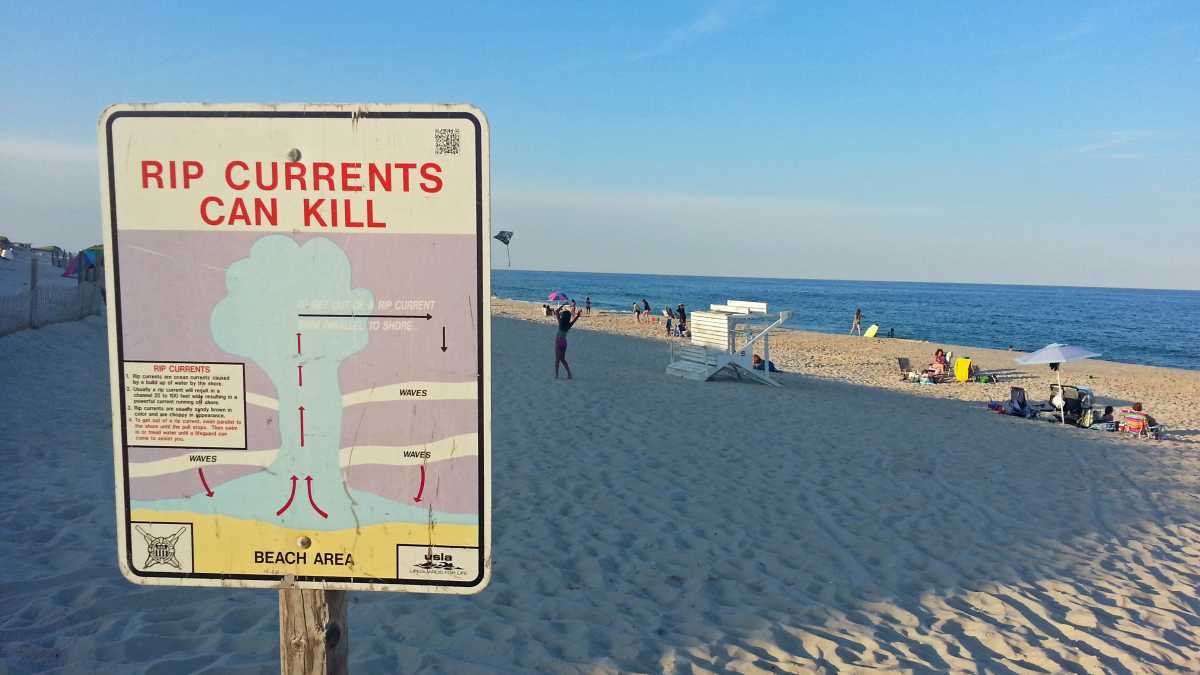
305 238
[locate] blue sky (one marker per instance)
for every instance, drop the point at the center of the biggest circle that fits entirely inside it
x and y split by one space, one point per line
1011 142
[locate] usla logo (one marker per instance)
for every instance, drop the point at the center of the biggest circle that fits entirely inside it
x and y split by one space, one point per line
438 561
430 561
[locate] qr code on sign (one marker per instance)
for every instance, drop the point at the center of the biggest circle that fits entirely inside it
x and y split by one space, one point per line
445 141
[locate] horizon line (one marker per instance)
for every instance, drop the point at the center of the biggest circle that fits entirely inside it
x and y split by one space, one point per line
870 281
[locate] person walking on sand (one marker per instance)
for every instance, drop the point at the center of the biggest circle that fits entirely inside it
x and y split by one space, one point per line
646 308
637 311
587 305
565 322
856 327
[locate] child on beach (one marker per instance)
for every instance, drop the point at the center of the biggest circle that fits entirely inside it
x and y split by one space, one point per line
565 322
856 327
1137 408
759 364
587 304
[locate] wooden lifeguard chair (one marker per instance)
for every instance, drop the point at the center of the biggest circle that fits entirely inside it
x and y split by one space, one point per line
715 342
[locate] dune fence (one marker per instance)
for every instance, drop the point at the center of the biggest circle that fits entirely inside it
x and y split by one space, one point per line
37 306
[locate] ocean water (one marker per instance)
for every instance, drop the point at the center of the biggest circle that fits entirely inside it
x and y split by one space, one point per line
1151 327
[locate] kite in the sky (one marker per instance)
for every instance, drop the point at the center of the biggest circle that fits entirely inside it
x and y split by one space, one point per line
505 236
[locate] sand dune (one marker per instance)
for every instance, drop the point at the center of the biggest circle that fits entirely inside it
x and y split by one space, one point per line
649 524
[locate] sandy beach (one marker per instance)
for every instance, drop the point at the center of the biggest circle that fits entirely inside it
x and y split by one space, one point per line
1172 394
845 522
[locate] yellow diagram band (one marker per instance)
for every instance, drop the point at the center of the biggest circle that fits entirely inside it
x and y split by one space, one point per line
227 545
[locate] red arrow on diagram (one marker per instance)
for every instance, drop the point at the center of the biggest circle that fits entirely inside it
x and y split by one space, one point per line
292 496
300 374
308 479
421 490
203 482
302 426
297 343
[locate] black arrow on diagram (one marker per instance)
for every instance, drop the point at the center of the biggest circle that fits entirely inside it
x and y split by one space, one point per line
427 317
443 338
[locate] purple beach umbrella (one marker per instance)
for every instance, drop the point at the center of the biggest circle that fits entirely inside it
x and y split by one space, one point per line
1055 353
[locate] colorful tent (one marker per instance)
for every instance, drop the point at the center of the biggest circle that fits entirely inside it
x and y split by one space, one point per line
89 258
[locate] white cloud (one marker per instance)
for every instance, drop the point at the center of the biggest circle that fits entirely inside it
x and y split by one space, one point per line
1088 25
714 19
1116 144
44 150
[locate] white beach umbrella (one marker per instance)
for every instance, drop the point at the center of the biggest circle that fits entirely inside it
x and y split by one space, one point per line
1055 353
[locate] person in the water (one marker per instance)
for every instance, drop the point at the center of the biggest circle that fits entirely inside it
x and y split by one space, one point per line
565 322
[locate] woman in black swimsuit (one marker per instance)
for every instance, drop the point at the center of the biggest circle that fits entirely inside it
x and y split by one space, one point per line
565 322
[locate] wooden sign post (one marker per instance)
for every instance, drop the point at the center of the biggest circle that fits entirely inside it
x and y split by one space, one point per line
314 635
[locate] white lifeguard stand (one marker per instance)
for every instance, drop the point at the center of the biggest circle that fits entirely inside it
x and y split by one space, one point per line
715 342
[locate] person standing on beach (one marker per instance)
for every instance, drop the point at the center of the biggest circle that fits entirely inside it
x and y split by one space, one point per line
681 318
565 322
637 311
587 305
856 327
573 309
670 316
646 307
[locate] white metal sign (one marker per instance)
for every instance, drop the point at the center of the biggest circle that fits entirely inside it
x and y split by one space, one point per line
299 344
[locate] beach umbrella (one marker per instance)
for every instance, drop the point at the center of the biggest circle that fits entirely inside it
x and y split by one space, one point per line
1054 354
505 236
556 296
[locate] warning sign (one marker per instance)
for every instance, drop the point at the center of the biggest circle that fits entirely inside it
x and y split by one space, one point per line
185 405
299 344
